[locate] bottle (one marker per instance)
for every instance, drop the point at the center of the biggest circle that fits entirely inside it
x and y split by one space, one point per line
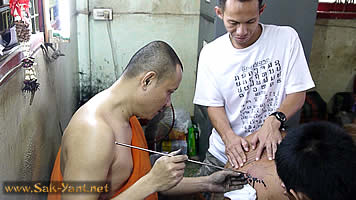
196 133
191 142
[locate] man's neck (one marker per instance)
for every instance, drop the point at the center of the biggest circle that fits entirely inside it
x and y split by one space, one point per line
121 100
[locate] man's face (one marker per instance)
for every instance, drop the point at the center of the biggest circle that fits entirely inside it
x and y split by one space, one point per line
159 94
241 21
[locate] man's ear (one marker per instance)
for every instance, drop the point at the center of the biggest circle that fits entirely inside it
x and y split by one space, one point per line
262 9
147 79
219 12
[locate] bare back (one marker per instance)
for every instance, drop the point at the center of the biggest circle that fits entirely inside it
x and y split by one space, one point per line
266 170
88 149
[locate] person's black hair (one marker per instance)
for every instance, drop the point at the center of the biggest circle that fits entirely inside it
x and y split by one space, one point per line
318 159
157 56
222 3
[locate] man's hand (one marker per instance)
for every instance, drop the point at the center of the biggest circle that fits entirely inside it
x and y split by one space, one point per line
167 172
225 181
234 150
268 136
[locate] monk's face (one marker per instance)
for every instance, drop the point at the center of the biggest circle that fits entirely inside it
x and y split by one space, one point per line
159 96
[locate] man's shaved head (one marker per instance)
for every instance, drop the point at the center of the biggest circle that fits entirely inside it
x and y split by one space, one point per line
156 56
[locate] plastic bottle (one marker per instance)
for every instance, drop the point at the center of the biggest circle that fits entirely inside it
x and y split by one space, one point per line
191 142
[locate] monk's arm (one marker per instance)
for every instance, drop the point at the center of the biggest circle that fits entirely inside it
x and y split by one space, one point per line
189 186
166 173
220 181
87 157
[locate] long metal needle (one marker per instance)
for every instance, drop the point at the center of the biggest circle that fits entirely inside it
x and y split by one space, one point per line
249 177
166 154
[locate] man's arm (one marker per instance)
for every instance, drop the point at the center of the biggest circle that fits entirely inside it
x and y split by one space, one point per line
234 144
86 157
221 181
269 134
166 173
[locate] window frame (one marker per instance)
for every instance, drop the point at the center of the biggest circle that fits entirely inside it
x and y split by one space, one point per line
336 11
6 19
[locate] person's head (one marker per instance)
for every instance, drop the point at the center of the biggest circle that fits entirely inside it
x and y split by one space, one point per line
241 20
157 70
317 161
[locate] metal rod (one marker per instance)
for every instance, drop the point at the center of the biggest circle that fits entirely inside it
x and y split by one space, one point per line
246 175
166 154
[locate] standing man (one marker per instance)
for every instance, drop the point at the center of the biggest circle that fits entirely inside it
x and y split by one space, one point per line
252 79
88 151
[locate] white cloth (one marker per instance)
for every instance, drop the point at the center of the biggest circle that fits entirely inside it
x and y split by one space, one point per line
250 83
1 48
246 193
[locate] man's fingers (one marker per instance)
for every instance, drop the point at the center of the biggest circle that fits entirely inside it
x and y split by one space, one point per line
180 166
269 150
234 187
179 158
242 182
236 153
233 160
234 175
175 152
244 144
242 156
254 141
274 149
259 152
279 141
230 160
240 177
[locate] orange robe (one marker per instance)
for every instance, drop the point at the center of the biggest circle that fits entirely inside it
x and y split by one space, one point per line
141 163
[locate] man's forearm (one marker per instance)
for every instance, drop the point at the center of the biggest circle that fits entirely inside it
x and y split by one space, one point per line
144 187
292 103
220 122
189 186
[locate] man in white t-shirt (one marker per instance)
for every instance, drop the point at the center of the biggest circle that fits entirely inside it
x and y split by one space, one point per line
252 79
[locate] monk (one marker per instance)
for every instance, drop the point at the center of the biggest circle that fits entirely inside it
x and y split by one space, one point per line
88 152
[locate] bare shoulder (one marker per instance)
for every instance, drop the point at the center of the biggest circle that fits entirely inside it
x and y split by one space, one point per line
87 140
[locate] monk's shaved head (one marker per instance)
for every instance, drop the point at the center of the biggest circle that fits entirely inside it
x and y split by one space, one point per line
156 56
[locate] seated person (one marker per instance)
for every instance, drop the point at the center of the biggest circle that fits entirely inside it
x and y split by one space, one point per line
88 152
317 161
329 133
263 169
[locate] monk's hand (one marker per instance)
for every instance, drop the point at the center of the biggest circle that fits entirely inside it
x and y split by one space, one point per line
268 136
167 171
226 180
234 150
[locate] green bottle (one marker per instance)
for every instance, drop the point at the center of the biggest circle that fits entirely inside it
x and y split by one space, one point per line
191 142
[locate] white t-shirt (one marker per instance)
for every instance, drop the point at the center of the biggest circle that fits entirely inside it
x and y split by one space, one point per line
250 83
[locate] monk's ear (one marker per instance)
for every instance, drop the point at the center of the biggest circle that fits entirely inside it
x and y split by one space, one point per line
219 12
147 79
